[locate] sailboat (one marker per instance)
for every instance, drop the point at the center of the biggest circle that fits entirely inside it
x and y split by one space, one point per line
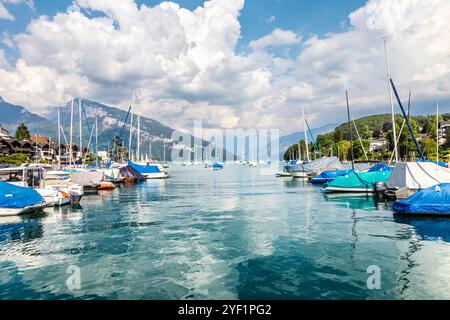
357 182
148 169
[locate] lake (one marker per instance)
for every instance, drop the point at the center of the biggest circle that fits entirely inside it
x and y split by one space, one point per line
231 234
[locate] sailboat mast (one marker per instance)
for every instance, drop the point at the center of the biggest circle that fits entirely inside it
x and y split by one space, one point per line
81 130
391 101
96 142
139 139
71 135
131 135
350 131
59 140
437 132
306 135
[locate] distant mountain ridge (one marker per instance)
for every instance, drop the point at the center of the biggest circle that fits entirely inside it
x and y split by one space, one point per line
110 121
13 115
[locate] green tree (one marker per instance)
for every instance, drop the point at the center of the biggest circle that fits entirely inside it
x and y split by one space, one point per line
366 132
359 152
429 148
344 150
22 132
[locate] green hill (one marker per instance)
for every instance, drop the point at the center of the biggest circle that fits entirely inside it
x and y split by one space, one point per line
377 127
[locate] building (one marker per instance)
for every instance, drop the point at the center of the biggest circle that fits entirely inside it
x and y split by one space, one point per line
41 140
445 132
3 132
378 145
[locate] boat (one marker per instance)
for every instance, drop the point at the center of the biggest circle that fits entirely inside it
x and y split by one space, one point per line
90 180
302 169
410 177
431 201
130 175
328 176
33 177
106 185
150 170
15 200
357 182
217 166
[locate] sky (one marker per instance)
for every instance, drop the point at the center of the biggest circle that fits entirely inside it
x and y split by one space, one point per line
231 63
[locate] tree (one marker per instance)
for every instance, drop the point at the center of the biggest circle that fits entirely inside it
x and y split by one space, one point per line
367 133
344 150
22 132
429 148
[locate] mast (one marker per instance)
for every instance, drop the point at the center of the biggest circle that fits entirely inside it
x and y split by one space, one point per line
164 151
306 136
59 140
437 132
96 142
139 139
350 131
81 131
36 148
71 136
391 101
131 135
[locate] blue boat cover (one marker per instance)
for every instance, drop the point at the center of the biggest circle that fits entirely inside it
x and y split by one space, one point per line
441 164
327 176
380 168
15 197
152 168
217 166
434 200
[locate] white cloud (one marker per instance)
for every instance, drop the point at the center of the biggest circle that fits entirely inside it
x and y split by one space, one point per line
5 14
278 37
186 65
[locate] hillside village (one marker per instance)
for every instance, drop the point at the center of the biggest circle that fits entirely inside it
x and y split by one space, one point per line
373 139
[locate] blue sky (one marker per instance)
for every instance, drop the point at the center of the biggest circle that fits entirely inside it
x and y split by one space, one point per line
258 18
289 53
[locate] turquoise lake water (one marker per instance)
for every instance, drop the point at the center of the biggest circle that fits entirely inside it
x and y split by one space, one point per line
234 234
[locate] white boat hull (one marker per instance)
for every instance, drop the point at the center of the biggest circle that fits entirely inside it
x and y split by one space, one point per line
159 175
299 175
8 212
347 190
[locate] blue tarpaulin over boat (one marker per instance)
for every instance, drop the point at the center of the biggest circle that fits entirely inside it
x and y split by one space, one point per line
15 197
380 168
152 168
328 176
441 164
434 200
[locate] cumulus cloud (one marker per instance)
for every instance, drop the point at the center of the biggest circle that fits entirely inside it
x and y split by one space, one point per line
278 37
185 65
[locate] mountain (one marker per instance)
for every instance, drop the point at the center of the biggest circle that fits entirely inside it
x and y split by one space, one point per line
13 115
289 140
110 122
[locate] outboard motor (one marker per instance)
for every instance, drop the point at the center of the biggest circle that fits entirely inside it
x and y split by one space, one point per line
380 189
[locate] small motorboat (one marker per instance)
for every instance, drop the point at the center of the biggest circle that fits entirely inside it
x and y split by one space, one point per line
106 185
16 200
218 166
431 201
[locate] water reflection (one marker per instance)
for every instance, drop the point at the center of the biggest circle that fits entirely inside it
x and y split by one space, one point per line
223 235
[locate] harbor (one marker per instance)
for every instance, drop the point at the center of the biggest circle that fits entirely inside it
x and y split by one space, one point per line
206 235
224 150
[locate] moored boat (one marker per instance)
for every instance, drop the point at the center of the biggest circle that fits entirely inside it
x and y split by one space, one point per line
432 201
16 200
357 182
150 170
